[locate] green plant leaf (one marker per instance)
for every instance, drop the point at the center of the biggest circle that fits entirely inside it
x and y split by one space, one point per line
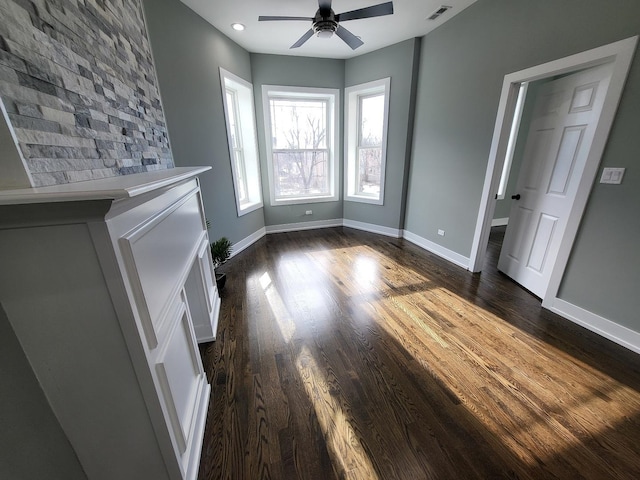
220 251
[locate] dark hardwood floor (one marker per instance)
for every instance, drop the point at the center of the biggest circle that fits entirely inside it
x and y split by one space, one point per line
344 354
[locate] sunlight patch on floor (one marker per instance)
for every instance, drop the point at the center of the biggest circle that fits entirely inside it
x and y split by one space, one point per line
344 444
365 272
541 420
280 312
304 285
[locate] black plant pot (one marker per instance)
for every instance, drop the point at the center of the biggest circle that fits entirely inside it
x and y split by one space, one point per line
221 279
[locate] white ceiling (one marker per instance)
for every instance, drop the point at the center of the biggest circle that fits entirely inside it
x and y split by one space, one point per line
275 37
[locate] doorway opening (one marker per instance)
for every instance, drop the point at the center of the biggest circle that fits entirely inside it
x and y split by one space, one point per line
620 54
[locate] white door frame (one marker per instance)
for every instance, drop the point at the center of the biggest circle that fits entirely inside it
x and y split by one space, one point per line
621 54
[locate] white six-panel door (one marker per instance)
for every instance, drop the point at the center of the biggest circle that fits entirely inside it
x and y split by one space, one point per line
565 117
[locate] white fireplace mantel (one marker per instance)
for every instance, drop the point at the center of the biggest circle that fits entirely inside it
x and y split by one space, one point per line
108 286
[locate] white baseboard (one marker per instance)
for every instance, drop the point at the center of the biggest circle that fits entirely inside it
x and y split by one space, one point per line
616 333
432 247
439 250
370 227
248 241
293 227
499 222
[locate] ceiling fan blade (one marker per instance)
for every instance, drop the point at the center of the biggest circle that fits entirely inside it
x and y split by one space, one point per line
324 4
303 39
268 18
367 12
349 38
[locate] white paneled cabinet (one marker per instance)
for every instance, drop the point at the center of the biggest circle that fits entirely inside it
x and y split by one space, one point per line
108 286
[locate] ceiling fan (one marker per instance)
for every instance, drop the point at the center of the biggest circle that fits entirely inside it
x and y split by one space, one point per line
326 22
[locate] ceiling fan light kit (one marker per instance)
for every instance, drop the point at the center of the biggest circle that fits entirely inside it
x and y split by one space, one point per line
325 32
326 22
324 26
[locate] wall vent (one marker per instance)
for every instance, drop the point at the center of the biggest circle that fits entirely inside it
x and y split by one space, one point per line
438 12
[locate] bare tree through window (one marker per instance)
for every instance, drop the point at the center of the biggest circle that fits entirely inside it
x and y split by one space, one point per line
370 143
300 152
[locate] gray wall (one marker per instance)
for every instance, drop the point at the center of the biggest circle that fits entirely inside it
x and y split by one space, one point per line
397 62
462 66
32 443
188 52
603 274
299 72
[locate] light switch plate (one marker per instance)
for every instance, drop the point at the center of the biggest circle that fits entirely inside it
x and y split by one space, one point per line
612 175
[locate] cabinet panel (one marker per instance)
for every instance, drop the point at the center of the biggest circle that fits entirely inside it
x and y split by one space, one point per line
173 236
202 295
181 376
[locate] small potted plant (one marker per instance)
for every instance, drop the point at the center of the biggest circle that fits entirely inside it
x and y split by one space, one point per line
220 253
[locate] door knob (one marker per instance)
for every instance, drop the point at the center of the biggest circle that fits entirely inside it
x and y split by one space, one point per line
515 197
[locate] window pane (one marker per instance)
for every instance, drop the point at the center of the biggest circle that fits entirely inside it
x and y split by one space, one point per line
241 176
299 124
232 103
301 173
299 143
369 169
371 120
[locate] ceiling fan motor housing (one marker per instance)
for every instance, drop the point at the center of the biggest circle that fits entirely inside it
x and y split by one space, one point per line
325 26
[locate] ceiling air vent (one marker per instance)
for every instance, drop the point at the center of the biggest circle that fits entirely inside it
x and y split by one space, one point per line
438 12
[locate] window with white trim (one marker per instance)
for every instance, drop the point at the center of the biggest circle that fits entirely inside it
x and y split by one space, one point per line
243 144
366 119
301 125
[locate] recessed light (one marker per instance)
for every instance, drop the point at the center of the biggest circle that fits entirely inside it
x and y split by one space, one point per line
237 26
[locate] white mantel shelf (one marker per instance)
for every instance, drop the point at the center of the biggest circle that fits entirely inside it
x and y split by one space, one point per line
114 188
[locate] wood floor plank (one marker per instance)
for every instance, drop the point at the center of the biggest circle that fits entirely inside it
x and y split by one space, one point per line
345 354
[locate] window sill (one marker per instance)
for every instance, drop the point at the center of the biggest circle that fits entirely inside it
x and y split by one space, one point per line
364 199
249 207
302 200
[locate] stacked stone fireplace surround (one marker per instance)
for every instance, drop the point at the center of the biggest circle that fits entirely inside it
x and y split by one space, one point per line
80 91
